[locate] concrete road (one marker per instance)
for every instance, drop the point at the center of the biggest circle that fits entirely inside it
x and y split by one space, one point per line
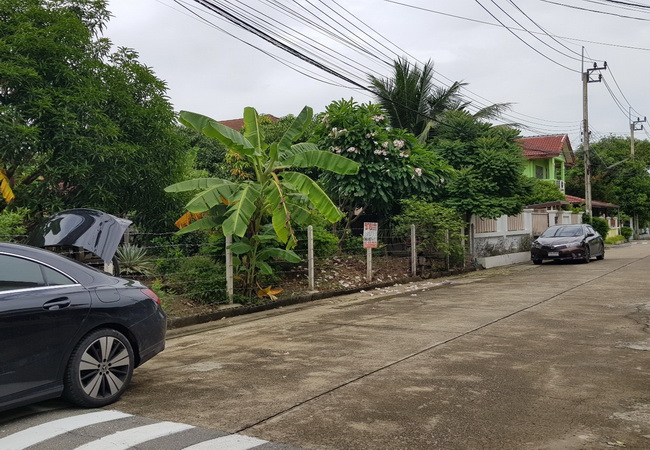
528 357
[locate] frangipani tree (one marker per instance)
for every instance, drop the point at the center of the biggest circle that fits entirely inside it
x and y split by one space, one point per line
263 210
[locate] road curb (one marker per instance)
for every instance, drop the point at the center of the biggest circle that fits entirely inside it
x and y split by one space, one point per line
227 311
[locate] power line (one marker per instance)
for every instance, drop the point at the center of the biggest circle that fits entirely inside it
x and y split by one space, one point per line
360 42
593 10
492 24
525 43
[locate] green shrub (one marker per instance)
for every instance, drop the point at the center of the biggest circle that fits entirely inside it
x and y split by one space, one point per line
133 260
199 278
626 232
325 244
12 224
437 227
600 225
614 240
171 249
214 247
353 245
159 288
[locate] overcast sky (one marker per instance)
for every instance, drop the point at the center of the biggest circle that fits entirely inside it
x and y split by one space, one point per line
213 73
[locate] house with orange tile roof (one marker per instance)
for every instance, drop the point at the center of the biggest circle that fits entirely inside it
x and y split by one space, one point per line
548 157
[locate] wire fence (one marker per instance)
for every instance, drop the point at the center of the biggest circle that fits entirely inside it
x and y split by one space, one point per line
193 266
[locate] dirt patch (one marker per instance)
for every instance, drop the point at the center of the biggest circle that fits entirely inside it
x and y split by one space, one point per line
333 274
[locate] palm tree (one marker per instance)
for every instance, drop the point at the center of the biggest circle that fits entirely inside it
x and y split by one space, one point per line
414 103
405 96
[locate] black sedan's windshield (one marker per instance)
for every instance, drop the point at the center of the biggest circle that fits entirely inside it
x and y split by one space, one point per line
563 232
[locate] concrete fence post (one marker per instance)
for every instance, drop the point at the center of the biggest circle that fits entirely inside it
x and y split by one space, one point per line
414 252
310 257
230 282
527 215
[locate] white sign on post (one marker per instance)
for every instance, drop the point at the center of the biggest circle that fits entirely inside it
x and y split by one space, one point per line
369 242
370 234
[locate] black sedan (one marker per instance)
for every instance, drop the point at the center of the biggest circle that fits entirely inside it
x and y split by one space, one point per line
568 242
69 330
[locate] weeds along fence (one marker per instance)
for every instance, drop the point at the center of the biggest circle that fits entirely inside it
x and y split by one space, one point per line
197 266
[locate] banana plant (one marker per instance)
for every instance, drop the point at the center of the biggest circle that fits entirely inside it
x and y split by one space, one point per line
267 207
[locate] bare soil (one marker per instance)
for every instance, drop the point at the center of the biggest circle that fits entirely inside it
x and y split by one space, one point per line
333 274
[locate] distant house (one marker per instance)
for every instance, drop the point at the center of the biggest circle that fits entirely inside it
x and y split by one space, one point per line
548 157
238 124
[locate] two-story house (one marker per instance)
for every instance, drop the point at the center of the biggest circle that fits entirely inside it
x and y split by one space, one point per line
548 157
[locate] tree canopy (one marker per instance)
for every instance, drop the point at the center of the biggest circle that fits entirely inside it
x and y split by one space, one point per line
489 179
414 102
616 176
81 126
393 165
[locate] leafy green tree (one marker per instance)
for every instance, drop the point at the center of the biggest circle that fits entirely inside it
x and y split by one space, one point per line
543 191
616 176
393 165
416 104
81 126
262 210
489 179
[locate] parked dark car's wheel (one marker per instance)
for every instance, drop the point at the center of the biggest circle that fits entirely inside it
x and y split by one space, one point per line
99 369
587 256
537 261
601 256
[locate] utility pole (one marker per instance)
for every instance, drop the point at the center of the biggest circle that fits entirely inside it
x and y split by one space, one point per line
586 79
633 128
634 221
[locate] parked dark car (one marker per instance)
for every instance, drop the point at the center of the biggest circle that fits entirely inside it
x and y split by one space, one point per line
568 242
68 329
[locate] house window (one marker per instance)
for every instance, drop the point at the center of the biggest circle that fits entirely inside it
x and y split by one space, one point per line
539 172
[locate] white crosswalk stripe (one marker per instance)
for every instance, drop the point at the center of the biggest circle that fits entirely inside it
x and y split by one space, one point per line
123 440
106 432
40 433
230 442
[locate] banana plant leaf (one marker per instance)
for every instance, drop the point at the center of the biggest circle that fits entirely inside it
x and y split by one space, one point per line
206 223
323 160
294 150
218 194
196 184
316 195
296 129
241 211
286 255
211 128
253 133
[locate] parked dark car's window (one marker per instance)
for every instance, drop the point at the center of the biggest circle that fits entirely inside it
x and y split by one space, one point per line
562 232
55 278
18 273
591 230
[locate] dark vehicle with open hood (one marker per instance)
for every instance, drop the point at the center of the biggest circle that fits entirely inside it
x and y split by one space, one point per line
67 329
568 242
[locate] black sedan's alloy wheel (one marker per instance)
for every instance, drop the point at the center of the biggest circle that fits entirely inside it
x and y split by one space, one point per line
100 369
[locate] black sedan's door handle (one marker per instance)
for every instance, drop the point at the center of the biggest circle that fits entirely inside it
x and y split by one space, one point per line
57 303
